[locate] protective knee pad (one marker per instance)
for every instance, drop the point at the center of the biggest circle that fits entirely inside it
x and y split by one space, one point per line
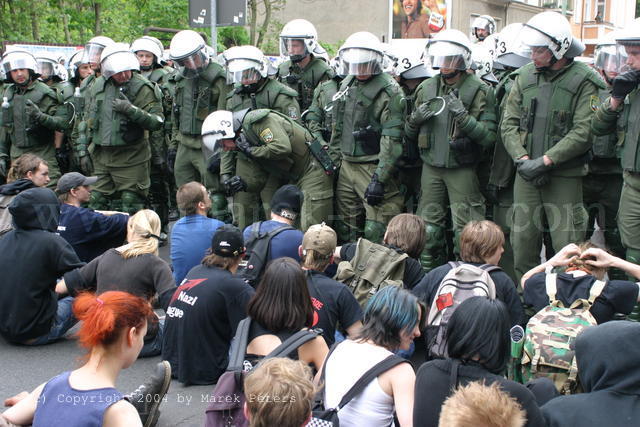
374 231
434 253
131 202
98 201
219 208
345 232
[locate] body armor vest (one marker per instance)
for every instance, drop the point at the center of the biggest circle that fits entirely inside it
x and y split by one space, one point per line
25 132
194 98
304 81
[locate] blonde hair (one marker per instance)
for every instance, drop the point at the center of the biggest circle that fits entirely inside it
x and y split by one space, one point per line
144 225
479 240
581 263
314 260
279 392
479 405
23 165
407 232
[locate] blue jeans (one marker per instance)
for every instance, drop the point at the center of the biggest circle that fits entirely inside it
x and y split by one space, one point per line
153 346
63 321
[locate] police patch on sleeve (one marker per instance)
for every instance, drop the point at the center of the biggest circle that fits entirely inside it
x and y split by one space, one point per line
293 113
594 102
266 135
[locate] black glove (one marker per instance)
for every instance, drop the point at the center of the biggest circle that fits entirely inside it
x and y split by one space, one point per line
421 114
374 194
491 193
531 169
243 145
83 161
3 167
624 83
234 185
62 158
171 159
122 106
32 110
214 164
455 105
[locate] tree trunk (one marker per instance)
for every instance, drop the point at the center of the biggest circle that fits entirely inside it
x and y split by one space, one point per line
265 24
65 22
253 21
97 8
34 25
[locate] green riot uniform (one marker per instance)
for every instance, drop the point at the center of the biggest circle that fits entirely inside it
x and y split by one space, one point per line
280 146
160 182
320 118
78 138
368 130
23 134
448 173
304 80
624 122
549 113
252 205
118 143
410 165
193 101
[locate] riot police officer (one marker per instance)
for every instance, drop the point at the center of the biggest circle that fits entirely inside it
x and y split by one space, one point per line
453 128
31 113
369 112
122 107
303 70
482 27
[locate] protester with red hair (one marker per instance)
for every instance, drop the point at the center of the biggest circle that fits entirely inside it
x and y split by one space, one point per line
112 330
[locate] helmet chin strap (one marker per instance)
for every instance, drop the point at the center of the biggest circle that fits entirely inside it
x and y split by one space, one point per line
450 75
146 67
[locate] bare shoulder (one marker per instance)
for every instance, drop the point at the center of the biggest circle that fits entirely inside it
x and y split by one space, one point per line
121 413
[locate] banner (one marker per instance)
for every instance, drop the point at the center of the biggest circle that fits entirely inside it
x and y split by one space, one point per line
418 19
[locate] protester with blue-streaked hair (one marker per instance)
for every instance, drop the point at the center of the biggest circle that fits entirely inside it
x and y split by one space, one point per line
391 322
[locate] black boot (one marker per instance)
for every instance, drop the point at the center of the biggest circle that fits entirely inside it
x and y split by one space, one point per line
147 398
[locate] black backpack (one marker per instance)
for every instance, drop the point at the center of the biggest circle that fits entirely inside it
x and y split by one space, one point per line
227 399
257 245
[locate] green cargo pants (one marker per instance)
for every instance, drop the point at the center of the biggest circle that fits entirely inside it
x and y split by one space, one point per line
502 216
601 195
317 187
629 211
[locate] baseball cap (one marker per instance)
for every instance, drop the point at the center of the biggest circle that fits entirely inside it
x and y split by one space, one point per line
287 201
321 238
227 241
72 180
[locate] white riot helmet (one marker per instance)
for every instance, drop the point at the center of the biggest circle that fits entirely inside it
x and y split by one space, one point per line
16 59
220 125
609 60
482 63
448 49
509 51
75 61
298 39
187 49
117 58
246 65
549 30
93 50
482 27
411 66
147 44
47 66
628 39
362 55
390 59
60 72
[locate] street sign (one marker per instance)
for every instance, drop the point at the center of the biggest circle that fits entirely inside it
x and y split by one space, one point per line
229 13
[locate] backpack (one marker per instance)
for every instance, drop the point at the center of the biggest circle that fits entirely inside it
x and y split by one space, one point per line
6 219
226 401
463 281
372 268
328 417
255 259
550 337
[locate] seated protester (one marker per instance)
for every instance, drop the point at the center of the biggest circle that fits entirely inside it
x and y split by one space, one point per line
405 234
608 366
477 404
112 330
332 301
391 322
135 268
281 307
191 235
205 310
478 344
33 258
291 380
27 171
585 264
89 232
285 209
480 243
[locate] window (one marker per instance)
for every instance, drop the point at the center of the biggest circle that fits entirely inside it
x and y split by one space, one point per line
600 10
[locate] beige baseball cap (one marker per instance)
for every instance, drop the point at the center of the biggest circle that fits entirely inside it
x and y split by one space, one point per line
321 238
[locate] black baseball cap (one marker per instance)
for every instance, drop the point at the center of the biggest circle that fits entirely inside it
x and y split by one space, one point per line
287 201
72 180
227 242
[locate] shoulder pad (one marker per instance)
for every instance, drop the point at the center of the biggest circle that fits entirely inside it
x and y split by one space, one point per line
256 115
98 84
590 74
86 82
283 69
285 90
213 72
48 91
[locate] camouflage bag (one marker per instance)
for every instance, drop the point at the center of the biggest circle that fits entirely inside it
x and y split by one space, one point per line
549 344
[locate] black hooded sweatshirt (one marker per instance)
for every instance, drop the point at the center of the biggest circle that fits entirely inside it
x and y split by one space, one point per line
32 258
608 359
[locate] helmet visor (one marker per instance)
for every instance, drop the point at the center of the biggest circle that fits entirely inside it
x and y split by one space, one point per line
92 52
191 66
45 69
360 62
443 54
610 59
119 62
244 71
294 48
18 61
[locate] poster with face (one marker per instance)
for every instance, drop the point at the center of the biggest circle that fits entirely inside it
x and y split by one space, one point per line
418 19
